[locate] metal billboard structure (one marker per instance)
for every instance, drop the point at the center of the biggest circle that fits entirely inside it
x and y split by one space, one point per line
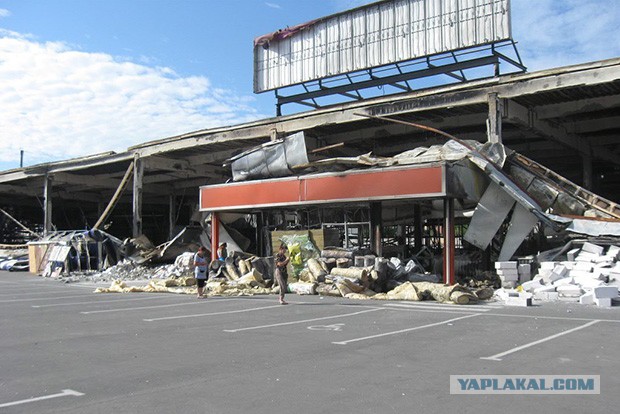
390 42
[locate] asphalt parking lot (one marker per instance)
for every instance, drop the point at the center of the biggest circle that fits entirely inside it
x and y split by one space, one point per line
65 349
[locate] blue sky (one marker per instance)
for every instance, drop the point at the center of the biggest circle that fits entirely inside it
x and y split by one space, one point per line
79 77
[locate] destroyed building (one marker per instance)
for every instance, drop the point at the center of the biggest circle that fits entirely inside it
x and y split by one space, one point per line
459 175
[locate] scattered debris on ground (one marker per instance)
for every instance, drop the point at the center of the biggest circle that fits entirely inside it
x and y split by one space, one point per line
330 272
13 258
587 273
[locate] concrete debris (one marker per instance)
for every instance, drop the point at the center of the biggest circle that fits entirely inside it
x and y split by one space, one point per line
352 282
589 275
62 252
13 259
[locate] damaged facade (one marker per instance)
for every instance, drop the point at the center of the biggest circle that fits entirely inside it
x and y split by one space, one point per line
532 168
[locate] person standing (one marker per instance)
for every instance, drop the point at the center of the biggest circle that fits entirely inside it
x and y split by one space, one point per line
200 270
222 252
281 271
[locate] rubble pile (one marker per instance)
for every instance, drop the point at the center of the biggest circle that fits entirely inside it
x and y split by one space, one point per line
589 275
331 274
13 259
127 270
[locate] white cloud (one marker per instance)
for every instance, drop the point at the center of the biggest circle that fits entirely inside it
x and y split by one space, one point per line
4 13
58 102
554 33
273 5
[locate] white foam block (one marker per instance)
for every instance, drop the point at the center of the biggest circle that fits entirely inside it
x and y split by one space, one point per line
547 296
531 285
564 281
586 299
601 292
548 265
587 282
518 301
613 251
572 254
585 257
510 279
507 272
583 266
558 272
583 273
604 302
592 248
569 265
604 260
547 288
569 290
505 265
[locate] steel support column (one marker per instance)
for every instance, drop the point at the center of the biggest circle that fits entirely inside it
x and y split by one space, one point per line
138 175
376 225
418 227
47 204
172 208
448 241
494 120
215 235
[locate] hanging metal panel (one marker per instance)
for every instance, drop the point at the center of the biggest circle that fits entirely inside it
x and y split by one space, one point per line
320 50
402 30
346 45
297 70
386 33
450 25
373 29
360 51
308 53
467 22
375 35
417 14
333 45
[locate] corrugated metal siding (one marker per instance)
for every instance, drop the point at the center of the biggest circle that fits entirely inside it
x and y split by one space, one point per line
380 34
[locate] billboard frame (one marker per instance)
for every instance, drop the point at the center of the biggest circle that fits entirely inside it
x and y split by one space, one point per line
388 42
350 87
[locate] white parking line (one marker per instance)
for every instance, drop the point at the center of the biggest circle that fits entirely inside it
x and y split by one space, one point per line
501 315
139 308
210 314
472 308
29 292
155 307
40 283
64 393
51 297
497 357
303 321
95 302
405 330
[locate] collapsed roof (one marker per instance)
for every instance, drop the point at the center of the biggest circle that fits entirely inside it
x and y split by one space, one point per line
497 182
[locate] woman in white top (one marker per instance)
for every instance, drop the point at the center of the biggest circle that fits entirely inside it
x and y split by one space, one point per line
200 270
